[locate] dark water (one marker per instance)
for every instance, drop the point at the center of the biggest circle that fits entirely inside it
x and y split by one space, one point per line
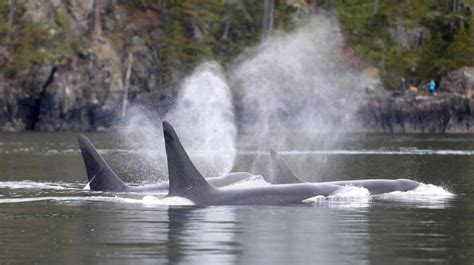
46 217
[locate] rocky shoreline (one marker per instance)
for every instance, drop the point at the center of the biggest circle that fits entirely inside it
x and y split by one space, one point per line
61 106
450 111
444 113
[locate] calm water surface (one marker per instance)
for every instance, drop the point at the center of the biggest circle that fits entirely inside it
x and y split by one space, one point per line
46 217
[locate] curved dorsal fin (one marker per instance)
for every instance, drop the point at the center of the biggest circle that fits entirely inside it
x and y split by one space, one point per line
101 177
282 173
184 178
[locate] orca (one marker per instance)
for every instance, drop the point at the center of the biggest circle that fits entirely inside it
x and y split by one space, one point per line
186 181
282 174
102 178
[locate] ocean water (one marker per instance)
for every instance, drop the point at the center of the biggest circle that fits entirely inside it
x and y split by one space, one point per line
47 217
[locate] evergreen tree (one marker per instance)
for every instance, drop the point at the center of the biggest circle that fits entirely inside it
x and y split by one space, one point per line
429 63
461 51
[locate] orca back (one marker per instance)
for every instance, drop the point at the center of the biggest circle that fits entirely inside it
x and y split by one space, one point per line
184 178
282 173
100 175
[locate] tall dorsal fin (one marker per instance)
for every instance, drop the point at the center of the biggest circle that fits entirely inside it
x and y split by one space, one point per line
184 178
282 173
101 177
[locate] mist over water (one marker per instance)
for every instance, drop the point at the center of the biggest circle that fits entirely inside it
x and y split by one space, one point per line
204 119
298 82
142 133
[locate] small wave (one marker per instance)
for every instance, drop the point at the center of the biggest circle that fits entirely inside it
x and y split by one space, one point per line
407 151
64 151
27 184
146 200
159 153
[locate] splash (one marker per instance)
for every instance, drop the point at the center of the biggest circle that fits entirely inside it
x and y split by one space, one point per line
204 119
424 196
428 195
295 83
346 197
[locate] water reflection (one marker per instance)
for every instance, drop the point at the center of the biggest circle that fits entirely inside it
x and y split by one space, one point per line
278 235
203 235
419 235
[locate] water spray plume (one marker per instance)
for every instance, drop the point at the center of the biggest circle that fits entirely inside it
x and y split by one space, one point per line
203 116
298 84
292 84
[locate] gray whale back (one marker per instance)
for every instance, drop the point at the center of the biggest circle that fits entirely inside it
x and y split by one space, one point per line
186 181
282 174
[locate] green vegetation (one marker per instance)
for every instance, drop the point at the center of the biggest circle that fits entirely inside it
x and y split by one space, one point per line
34 43
440 34
445 31
197 30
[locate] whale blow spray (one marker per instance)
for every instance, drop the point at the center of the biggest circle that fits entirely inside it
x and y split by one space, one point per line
298 84
204 117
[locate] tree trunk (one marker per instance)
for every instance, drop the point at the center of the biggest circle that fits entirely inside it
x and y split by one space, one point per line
127 83
97 34
376 6
11 12
11 16
456 5
225 34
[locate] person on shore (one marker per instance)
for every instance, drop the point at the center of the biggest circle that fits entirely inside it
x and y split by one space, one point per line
403 85
432 87
413 89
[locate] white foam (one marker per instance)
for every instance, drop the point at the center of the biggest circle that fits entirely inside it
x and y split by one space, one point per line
350 192
346 197
424 196
425 193
174 200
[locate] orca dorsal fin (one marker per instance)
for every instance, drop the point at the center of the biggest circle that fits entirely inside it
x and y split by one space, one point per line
100 175
184 178
282 173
